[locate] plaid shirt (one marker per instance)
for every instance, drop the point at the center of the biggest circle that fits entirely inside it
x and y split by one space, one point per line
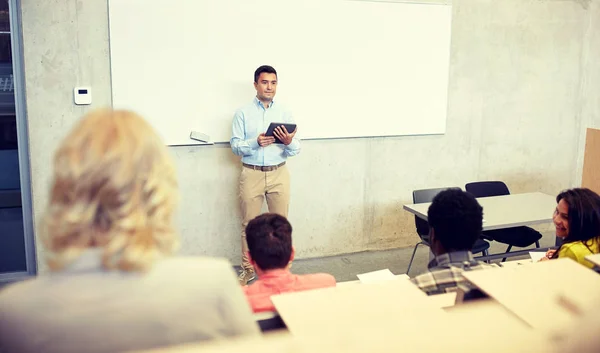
445 272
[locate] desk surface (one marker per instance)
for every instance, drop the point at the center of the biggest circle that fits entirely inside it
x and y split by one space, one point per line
403 276
488 311
547 295
489 325
595 259
352 307
506 211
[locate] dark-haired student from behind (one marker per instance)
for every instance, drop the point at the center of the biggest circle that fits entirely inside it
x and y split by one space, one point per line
455 222
270 251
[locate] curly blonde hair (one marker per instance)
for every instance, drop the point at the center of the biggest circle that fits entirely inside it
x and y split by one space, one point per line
115 188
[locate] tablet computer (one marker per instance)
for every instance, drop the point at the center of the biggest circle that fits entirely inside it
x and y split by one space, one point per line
289 127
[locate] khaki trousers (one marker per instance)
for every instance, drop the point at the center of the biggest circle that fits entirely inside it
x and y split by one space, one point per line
255 185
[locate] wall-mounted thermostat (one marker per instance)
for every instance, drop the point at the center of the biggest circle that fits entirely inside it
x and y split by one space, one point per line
82 95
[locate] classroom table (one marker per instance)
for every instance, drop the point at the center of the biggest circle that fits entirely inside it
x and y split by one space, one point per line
506 211
443 300
344 284
547 295
595 259
469 328
456 336
494 314
350 307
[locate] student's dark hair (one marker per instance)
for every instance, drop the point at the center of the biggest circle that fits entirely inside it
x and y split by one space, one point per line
269 238
456 218
265 68
584 215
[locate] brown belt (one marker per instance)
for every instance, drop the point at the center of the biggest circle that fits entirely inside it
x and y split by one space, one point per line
267 168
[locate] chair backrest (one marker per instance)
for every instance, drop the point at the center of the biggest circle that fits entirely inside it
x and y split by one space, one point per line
487 188
422 196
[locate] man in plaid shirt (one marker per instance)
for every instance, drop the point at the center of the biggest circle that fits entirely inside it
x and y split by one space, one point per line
455 222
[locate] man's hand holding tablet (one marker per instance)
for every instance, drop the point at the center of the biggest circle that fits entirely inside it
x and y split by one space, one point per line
281 133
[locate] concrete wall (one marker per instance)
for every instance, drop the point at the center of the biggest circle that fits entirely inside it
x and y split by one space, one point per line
517 107
590 83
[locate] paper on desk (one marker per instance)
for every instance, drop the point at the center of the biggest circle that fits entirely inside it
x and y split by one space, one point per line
515 263
536 255
378 276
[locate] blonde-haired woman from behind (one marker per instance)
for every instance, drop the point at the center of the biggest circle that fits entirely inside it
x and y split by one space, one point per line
108 234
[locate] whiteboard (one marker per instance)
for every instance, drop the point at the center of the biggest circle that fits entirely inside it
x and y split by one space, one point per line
345 68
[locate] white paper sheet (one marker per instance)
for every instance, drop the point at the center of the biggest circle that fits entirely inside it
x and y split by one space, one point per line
377 276
536 255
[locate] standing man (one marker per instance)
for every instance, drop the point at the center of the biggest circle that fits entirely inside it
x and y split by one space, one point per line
264 173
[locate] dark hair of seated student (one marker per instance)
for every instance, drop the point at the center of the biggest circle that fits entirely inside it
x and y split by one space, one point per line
455 223
581 223
269 238
270 251
455 219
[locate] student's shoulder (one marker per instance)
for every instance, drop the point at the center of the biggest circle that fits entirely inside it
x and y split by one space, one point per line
424 279
426 282
572 247
257 287
323 278
575 251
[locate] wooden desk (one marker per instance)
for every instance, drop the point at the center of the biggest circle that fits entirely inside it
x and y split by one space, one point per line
506 211
547 295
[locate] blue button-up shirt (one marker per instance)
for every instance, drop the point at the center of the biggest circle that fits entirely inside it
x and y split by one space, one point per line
254 119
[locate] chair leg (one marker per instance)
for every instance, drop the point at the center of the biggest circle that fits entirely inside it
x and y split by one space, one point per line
486 253
537 243
507 250
413 255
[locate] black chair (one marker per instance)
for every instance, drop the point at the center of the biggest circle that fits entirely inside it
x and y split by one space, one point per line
515 236
427 195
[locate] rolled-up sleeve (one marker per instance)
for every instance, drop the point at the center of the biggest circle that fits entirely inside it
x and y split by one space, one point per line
293 148
239 144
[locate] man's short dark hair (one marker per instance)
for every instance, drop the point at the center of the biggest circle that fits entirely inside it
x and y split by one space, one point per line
269 238
265 68
457 219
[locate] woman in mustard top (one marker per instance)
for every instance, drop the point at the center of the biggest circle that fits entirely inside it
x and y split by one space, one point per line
577 222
